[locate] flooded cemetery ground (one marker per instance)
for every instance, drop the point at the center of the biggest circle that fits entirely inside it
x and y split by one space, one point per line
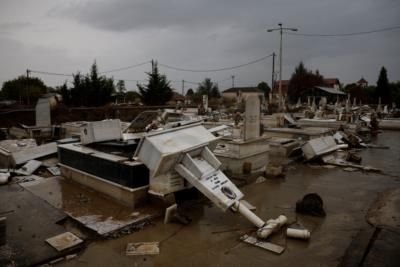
356 203
176 188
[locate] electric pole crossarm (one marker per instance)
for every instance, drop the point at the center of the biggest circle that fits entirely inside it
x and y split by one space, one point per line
281 31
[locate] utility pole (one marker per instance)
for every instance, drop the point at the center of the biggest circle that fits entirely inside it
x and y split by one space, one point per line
273 72
281 30
233 81
183 87
27 86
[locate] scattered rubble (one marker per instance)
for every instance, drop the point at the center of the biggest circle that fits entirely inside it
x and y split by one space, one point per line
159 155
142 248
262 244
298 233
64 241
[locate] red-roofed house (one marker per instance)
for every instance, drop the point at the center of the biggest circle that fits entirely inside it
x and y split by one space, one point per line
328 82
362 82
332 83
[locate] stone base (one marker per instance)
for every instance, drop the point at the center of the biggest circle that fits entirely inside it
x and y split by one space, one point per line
124 195
237 156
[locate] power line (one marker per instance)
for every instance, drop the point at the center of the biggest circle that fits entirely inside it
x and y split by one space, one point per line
224 80
214 70
126 68
128 80
50 73
346 34
195 83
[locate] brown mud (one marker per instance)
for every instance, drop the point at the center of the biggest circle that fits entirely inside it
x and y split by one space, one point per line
211 239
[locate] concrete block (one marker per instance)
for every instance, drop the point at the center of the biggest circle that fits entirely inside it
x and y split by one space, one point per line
252 118
99 131
124 195
319 146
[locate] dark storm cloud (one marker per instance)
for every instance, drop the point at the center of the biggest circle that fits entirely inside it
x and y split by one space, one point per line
201 34
123 15
9 27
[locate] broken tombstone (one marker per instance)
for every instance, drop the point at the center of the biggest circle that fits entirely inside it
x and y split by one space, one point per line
319 146
29 168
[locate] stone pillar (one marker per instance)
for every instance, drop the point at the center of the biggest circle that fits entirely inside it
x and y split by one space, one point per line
42 109
252 118
205 102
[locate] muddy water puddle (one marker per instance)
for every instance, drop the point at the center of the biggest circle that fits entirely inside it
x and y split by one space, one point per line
92 209
211 239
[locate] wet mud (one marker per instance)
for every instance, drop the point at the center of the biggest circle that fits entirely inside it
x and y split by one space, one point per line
212 238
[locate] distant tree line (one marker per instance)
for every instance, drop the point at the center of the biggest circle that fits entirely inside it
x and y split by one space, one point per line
388 92
23 89
94 89
88 90
303 79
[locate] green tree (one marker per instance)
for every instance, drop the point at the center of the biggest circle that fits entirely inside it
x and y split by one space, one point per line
301 80
92 89
65 93
190 92
121 87
23 88
263 86
382 87
158 90
207 87
132 96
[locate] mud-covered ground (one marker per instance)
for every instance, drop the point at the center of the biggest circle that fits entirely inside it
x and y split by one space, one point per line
211 239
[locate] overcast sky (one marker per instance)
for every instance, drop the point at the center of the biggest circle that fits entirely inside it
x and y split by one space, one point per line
67 36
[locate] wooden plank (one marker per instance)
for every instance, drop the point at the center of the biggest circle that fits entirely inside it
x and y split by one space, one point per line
262 244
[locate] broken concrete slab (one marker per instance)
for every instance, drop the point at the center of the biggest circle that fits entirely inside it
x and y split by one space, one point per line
169 212
274 170
29 168
142 248
319 146
31 222
330 159
262 244
27 180
54 170
7 147
260 179
99 131
64 241
306 133
350 169
22 156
